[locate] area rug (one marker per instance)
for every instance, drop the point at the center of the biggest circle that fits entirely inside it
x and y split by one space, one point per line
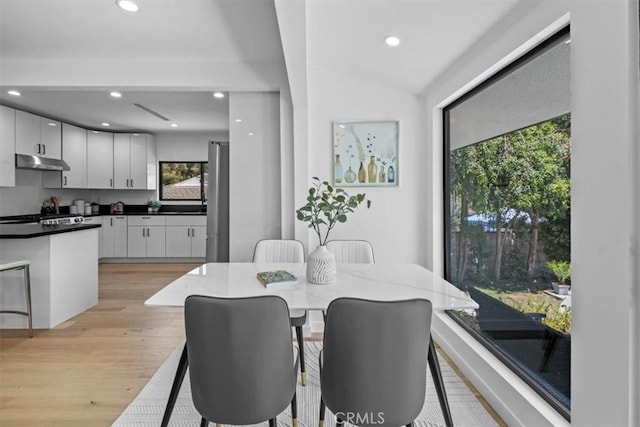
147 408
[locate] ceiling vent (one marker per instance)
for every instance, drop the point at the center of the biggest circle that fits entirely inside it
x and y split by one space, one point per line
150 111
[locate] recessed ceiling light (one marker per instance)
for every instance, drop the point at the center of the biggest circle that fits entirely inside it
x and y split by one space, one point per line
392 41
14 93
174 125
567 41
218 95
95 131
128 5
250 134
116 94
238 120
105 124
51 124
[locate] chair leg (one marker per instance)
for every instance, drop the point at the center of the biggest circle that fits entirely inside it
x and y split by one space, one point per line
339 422
273 422
294 411
303 372
204 423
27 289
322 413
410 424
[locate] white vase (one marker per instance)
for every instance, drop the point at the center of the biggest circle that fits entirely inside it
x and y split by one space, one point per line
321 266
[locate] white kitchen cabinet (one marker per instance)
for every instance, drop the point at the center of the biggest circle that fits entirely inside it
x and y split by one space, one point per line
114 236
7 147
74 153
186 236
38 136
152 163
96 220
99 159
146 237
130 161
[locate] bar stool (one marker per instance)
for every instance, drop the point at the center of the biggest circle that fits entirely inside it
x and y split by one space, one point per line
21 265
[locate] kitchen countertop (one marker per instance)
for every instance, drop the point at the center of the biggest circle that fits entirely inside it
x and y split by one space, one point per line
27 231
160 213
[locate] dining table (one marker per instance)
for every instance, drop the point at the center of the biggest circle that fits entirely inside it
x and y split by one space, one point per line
379 281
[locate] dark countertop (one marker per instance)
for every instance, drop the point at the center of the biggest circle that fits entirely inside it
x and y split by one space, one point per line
160 213
27 231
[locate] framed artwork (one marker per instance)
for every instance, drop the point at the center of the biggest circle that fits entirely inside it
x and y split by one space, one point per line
365 154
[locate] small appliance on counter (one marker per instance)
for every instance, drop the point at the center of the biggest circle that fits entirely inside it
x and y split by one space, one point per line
95 208
117 208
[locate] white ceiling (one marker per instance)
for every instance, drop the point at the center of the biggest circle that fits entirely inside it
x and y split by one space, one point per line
344 35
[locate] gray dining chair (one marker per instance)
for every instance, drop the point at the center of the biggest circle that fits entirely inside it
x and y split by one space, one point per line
273 251
376 368
241 360
351 251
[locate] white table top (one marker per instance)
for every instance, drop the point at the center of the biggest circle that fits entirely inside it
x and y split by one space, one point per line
381 282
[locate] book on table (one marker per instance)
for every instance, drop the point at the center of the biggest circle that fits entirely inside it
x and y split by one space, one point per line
277 278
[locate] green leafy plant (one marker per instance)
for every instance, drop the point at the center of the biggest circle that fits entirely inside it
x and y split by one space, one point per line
154 204
326 206
562 270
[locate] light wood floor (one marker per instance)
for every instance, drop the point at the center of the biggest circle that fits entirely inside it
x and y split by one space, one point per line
86 371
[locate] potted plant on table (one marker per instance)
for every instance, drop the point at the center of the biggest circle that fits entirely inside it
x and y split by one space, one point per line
562 271
326 207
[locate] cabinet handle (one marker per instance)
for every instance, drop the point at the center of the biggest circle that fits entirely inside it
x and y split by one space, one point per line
110 182
193 232
111 222
65 181
44 149
39 148
188 232
148 232
143 233
131 182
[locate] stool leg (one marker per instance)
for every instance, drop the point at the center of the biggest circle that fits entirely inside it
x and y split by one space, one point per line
27 288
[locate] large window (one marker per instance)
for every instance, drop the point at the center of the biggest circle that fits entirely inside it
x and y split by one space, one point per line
507 236
183 181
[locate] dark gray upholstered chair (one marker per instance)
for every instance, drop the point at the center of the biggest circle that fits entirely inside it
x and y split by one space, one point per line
351 251
373 371
267 251
241 360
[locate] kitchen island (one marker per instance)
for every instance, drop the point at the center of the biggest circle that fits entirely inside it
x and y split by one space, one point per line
64 272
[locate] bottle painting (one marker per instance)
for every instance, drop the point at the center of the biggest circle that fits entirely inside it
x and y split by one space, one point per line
362 175
349 175
372 170
338 170
391 175
382 177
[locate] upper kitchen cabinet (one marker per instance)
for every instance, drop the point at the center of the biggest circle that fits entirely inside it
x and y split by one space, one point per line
152 163
74 153
130 161
99 159
38 136
7 146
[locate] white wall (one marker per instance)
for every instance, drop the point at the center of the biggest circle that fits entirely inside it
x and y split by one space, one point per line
186 146
254 171
395 224
604 104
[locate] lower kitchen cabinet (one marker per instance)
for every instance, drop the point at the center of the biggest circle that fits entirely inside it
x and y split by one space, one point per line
146 237
96 220
114 237
186 236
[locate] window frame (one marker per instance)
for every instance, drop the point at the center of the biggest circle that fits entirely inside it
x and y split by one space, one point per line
203 195
447 241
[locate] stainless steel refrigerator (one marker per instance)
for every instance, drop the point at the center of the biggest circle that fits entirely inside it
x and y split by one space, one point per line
218 203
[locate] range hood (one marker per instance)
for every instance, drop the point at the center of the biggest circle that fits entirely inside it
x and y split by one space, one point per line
24 161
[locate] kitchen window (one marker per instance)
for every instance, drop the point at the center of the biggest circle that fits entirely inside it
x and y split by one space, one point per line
184 181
